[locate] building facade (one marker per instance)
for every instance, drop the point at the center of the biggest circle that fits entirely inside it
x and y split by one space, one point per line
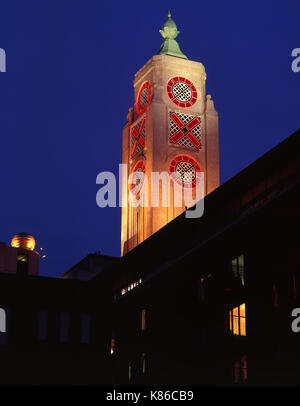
172 129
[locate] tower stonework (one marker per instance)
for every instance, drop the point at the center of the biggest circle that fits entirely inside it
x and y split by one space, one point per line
173 128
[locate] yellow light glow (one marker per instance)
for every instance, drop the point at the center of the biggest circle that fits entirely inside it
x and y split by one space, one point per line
112 346
24 241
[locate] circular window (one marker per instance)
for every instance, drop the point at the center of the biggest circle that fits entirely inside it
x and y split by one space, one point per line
183 169
143 98
138 177
182 92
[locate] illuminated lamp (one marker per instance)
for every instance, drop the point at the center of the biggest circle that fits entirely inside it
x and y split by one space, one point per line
23 240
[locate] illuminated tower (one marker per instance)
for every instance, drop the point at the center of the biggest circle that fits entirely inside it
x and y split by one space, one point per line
172 128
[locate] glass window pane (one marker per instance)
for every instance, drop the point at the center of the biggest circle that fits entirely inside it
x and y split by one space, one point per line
234 267
241 269
235 311
241 260
143 324
43 325
64 327
242 310
235 325
243 326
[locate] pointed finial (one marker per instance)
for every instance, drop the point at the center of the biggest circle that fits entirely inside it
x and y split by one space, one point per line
169 32
169 28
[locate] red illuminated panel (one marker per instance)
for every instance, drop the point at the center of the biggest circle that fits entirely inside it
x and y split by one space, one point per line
184 165
143 98
182 92
185 130
138 137
139 167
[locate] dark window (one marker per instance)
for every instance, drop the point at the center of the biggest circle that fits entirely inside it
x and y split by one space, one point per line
85 328
240 369
201 289
43 325
143 319
275 296
64 322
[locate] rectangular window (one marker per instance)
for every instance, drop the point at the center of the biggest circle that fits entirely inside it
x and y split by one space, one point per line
143 363
129 371
143 321
237 268
275 296
22 264
237 320
85 328
240 369
64 324
201 289
42 325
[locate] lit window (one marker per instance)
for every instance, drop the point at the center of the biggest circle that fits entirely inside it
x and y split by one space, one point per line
64 327
237 267
131 286
85 328
43 325
129 371
143 321
143 363
240 369
23 257
237 320
112 345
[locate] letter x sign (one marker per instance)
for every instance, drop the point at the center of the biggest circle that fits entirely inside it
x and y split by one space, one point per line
185 130
138 137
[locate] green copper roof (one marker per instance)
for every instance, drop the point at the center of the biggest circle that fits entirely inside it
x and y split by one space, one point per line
170 46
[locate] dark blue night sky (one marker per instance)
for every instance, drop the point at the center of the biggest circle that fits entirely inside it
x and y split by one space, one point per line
68 87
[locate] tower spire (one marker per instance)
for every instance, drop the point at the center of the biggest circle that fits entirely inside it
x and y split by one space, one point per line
169 32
